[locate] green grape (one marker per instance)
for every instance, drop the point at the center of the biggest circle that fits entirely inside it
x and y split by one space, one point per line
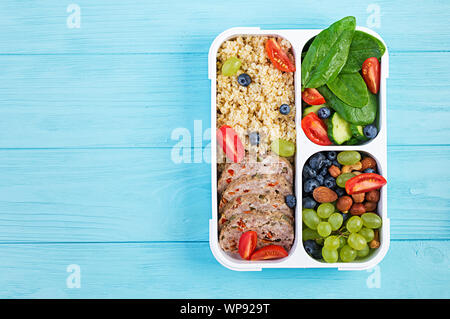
332 242
371 220
335 221
342 242
310 218
354 224
330 255
343 178
347 254
231 66
363 252
367 233
348 157
356 241
308 233
325 210
283 148
324 229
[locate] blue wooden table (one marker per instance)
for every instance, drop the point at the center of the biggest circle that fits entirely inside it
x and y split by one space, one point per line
92 204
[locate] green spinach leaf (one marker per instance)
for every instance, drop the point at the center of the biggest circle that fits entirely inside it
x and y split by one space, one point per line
363 46
328 53
358 116
350 88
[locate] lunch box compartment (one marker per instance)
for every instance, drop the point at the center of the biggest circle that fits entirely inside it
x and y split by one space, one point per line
298 258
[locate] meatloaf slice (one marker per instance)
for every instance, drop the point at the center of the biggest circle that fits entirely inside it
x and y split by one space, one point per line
272 228
270 164
260 184
253 202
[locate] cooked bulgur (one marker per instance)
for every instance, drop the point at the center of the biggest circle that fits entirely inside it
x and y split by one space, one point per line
255 108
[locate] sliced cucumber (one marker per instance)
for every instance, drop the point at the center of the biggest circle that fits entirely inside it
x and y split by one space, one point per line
339 129
353 141
312 108
357 132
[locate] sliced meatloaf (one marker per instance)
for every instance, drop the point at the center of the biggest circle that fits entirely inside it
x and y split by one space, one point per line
272 228
270 164
255 202
260 184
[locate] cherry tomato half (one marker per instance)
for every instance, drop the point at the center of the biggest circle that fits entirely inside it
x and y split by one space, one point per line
230 143
371 74
312 97
315 129
364 183
269 252
247 244
278 57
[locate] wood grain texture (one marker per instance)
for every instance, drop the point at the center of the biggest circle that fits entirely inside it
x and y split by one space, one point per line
138 100
190 26
188 270
141 195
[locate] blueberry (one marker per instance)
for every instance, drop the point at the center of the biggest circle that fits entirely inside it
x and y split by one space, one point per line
290 201
329 182
254 138
323 171
316 161
324 112
345 216
332 155
313 249
339 191
308 172
320 179
244 79
285 109
370 131
369 170
336 163
309 202
327 163
310 185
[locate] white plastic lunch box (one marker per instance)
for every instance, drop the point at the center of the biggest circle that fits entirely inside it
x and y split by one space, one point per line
298 258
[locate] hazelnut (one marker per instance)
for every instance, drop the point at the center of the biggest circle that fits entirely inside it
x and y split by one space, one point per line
373 196
344 203
375 243
370 206
357 209
358 198
368 162
334 171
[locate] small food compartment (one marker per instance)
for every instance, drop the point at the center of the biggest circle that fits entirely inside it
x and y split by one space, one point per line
341 71
341 206
256 138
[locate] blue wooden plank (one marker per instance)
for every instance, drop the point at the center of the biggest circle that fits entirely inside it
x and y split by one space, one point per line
138 100
95 195
417 269
190 26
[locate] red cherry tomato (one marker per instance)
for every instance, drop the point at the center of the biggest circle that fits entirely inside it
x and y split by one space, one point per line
312 97
269 252
278 57
247 244
371 74
231 143
364 183
315 129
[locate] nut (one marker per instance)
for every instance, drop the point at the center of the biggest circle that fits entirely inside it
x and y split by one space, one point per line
323 194
348 168
357 209
356 173
375 243
358 198
334 171
373 196
368 162
370 206
344 203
